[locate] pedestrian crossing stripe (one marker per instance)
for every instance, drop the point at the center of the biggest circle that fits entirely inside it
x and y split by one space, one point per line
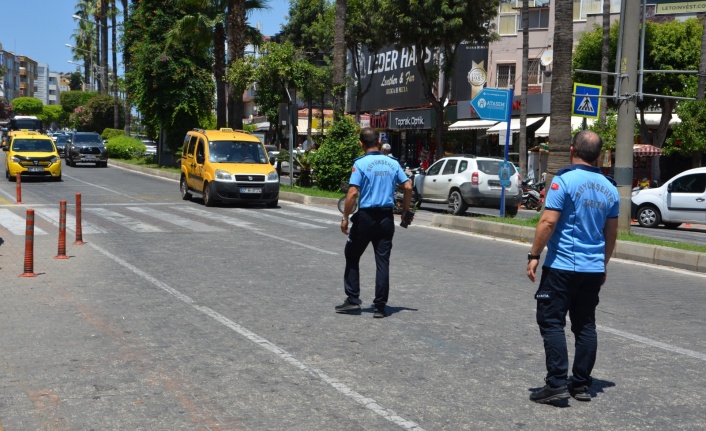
15 224
586 106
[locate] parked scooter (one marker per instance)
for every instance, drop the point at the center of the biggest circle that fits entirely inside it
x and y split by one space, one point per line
532 195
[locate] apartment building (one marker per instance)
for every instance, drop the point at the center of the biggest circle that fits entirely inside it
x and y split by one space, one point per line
10 87
28 76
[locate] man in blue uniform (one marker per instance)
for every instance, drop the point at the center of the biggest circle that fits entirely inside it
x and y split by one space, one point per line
579 227
374 177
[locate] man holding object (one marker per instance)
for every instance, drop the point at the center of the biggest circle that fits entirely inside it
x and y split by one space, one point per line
579 227
374 177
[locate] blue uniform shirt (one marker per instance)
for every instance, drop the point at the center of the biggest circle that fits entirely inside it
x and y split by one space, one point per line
586 198
377 176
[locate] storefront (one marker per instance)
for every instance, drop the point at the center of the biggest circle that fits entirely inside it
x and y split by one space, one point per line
411 136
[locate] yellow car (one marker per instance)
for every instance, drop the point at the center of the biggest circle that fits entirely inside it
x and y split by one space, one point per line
229 166
31 154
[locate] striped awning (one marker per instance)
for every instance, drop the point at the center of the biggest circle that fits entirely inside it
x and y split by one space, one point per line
472 125
645 150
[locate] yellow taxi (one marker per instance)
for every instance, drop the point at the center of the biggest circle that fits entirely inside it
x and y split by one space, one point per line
229 166
31 154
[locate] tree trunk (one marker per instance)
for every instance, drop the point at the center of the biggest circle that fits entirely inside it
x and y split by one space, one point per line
114 24
219 66
702 62
523 91
236 30
339 60
126 63
562 88
95 63
104 45
605 52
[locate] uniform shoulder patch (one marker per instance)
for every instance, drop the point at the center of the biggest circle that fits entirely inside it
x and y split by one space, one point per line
555 186
353 169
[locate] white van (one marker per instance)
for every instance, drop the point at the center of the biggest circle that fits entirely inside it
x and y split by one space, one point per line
682 199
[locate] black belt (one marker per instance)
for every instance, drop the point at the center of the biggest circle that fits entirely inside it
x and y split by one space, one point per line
377 209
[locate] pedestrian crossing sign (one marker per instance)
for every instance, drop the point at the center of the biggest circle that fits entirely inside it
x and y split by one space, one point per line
585 100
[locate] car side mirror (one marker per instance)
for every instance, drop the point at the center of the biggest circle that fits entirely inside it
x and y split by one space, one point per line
6 148
669 187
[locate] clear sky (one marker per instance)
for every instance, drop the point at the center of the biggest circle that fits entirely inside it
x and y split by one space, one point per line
39 28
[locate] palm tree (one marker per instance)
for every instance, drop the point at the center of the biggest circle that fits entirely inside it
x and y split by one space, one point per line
104 44
126 63
339 58
562 88
83 36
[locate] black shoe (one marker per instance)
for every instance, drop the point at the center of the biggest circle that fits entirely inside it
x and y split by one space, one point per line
580 393
347 307
379 312
549 394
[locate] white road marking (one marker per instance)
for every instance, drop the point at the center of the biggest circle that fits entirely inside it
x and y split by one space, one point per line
178 221
275 219
123 220
103 188
285 356
304 216
52 216
17 225
313 208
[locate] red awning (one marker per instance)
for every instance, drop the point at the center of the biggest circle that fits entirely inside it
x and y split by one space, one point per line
645 150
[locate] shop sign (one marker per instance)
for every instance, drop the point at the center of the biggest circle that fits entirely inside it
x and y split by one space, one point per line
417 119
379 121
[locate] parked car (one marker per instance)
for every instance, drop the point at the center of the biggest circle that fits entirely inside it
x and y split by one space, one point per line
32 154
464 180
682 199
227 166
86 147
60 143
150 147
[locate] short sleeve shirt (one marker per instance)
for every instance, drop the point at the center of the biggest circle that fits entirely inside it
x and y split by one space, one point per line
586 199
377 176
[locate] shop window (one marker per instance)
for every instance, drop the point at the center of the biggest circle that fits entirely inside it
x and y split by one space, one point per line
505 76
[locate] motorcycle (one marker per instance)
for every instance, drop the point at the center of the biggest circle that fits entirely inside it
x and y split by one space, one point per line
532 194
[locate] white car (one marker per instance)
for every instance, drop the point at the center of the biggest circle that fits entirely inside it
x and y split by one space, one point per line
465 180
682 199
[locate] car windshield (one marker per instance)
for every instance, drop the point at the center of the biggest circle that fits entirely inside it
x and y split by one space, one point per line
38 145
61 139
490 167
236 152
87 139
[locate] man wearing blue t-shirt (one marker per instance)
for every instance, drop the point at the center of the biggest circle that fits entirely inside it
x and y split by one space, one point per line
579 228
374 176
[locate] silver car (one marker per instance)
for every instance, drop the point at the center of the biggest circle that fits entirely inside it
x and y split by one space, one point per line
465 180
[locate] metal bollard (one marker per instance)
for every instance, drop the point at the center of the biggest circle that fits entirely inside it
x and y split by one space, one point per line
18 187
29 246
79 233
62 231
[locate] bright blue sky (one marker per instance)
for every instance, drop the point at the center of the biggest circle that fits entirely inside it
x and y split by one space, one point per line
39 28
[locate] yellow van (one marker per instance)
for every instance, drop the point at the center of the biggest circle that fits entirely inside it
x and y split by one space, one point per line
229 166
31 154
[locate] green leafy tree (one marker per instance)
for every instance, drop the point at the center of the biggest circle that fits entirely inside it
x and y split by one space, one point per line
102 112
70 100
5 108
53 115
76 82
689 137
452 22
173 90
334 158
27 106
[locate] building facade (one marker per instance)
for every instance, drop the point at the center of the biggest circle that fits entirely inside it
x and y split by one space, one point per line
11 79
28 76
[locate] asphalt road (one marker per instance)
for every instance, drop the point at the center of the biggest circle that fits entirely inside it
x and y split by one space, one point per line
174 316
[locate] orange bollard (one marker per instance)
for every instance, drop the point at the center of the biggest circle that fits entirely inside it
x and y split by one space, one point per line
29 246
79 233
18 180
62 231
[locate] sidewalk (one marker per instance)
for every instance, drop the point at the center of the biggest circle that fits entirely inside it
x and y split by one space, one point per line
664 256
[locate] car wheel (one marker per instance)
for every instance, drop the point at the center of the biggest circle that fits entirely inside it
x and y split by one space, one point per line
456 203
184 188
511 210
648 216
672 225
208 195
273 204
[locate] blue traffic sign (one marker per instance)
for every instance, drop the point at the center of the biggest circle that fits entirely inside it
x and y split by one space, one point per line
493 104
585 100
505 173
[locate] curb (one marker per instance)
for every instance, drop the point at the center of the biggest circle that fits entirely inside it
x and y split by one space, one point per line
663 256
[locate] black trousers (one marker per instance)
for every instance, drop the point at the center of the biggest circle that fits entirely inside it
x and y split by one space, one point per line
576 293
376 227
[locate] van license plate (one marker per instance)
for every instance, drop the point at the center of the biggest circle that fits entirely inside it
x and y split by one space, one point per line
35 169
250 190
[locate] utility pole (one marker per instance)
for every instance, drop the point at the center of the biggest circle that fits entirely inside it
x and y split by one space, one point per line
627 81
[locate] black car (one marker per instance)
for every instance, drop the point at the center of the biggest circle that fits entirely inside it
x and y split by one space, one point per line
60 143
86 147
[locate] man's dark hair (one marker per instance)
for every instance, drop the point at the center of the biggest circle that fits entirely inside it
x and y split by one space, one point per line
587 146
369 137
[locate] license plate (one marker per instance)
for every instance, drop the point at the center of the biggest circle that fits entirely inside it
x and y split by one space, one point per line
493 183
250 190
89 158
35 169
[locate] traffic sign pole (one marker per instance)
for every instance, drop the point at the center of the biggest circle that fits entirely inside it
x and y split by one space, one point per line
508 136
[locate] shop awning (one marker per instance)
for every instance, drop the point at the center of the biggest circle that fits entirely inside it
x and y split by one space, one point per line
264 126
471 125
645 150
543 130
514 125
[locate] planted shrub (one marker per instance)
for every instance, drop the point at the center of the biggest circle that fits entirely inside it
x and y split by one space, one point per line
334 158
125 147
112 133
